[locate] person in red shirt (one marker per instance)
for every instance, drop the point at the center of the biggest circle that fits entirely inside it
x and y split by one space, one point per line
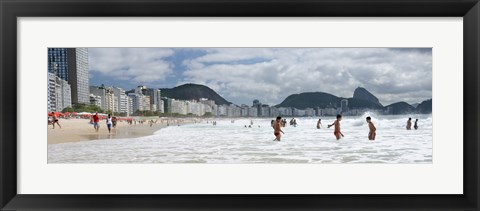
96 122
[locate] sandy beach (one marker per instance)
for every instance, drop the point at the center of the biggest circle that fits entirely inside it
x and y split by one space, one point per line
74 130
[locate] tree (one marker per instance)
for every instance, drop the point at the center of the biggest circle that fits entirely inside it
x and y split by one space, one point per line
68 109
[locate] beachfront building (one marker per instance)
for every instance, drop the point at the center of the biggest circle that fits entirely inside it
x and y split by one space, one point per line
138 101
155 99
328 111
147 107
179 107
167 105
221 110
161 107
129 106
99 93
71 64
244 110
309 112
58 93
283 111
264 111
109 100
51 94
298 112
63 94
121 100
95 100
252 112
274 112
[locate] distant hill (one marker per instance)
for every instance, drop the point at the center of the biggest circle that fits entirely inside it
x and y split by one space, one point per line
310 100
360 104
425 107
361 93
193 92
400 108
415 105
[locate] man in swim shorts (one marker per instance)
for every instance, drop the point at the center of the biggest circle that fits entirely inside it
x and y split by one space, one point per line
373 129
277 130
337 132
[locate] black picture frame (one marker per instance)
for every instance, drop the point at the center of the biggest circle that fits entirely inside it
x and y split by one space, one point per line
10 10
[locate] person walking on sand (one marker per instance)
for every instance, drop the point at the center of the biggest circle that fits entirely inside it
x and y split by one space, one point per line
109 123
337 131
415 125
96 122
409 124
319 123
55 120
372 128
277 129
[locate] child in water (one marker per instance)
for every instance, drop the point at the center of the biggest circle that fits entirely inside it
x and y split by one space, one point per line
337 131
415 125
373 129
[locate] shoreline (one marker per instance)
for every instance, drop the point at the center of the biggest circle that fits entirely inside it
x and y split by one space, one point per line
75 130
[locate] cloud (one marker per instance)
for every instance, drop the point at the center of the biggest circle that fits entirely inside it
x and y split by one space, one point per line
132 65
391 74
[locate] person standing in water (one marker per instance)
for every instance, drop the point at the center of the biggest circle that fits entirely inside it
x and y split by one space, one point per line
373 129
277 129
109 123
319 123
337 131
409 124
415 125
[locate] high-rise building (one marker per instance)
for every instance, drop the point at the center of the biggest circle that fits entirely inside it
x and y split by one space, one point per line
58 93
63 94
51 94
78 74
167 105
138 101
100 92
121 100
71 64
95 100
58 62
155 98
129 105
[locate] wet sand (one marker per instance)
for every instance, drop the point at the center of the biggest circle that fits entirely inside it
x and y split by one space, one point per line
74 130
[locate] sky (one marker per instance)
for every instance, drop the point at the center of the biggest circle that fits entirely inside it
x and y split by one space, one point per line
241 75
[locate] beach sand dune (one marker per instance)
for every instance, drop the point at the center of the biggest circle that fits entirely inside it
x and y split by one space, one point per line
80 130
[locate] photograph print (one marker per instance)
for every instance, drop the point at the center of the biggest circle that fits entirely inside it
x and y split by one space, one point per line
239 105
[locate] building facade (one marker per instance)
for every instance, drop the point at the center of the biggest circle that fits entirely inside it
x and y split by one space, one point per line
71 65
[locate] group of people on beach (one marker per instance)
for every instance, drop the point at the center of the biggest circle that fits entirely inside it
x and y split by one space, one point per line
111 122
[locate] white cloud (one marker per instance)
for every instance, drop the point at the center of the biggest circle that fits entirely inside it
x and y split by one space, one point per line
135 65
272 74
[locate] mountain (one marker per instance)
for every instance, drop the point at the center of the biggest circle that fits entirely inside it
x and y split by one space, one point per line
193 92
425 107
415 105
361 93
360 103
310 100
400 108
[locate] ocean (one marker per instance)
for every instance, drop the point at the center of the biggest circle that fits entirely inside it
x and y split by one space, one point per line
233 143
